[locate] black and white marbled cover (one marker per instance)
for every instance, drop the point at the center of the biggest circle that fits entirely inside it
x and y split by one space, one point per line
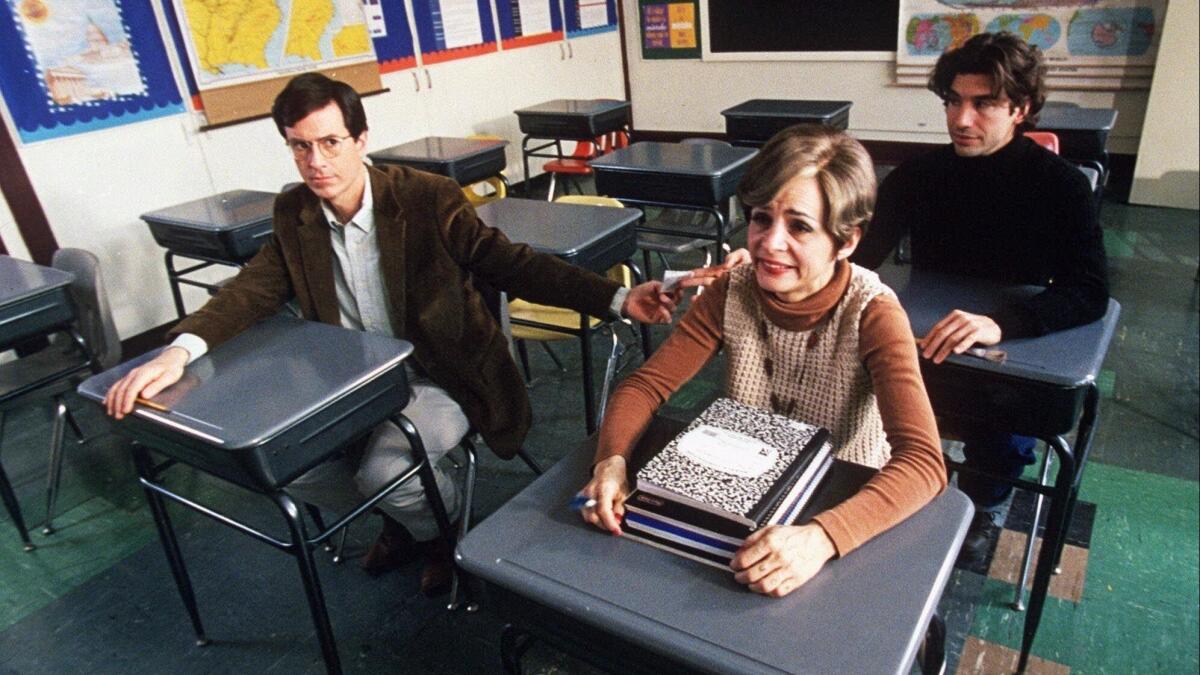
672 471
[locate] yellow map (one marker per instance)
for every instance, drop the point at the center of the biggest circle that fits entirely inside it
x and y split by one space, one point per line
242 40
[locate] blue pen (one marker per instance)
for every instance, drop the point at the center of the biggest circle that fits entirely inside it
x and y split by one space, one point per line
580 502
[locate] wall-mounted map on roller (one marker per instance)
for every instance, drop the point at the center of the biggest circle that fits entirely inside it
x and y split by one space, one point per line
242 52
1089 44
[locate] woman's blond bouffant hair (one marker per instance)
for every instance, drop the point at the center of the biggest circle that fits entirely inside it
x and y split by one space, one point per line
840 164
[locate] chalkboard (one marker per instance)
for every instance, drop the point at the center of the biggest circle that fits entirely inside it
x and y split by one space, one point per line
763 26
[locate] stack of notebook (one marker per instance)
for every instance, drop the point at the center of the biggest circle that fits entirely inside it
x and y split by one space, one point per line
735 469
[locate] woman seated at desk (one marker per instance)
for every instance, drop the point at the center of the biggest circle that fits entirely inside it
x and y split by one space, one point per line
806 334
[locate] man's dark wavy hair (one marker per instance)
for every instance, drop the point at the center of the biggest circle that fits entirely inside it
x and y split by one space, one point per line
313 91
1017 69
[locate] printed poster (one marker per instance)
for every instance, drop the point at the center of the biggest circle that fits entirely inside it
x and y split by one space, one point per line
670 30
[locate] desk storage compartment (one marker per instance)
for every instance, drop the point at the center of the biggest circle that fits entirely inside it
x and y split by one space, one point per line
598 256
584 122
688 190
34 315
231 244
465 169
755 122
277 461
964 399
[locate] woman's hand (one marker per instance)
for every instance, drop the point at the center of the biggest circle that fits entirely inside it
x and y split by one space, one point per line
703 277
778 559
609 487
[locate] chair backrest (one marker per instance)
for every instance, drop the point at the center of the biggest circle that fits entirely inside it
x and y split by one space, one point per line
1045 139
496 189
618 273
615 141
91 303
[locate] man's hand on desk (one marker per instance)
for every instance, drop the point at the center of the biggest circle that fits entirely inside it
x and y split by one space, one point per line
778 559
957 332
609 487
145 381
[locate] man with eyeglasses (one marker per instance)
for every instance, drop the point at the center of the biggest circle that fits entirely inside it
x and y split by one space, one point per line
391 251
996 205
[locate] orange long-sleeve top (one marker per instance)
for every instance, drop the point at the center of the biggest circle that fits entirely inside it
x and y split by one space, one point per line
909 480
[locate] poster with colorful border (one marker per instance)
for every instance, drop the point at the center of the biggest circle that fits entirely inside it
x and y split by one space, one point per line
588 17
528 22
72 66
453 29
670 30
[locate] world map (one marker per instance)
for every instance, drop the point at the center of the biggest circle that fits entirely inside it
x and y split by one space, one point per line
1040 30
240 40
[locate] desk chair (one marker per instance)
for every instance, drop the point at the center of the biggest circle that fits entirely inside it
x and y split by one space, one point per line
576 166
665 245
556 323
52 372
489 189
1093 170
1045 139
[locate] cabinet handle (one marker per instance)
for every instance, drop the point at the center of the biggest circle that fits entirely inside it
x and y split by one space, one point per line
416 81
428 80
570 51
562 52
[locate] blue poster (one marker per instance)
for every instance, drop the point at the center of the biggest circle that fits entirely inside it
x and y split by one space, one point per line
82 65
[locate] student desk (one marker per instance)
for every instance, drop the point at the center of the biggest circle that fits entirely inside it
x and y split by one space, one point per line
754 122
465 160
675 176
593 237
1082 134
260 410
224 229
1046 388
34 302
629 607
567 120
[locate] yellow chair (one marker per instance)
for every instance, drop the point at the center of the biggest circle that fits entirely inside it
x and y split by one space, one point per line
549 324
489 189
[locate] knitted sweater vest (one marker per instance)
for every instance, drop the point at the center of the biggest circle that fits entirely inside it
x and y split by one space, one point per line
814 376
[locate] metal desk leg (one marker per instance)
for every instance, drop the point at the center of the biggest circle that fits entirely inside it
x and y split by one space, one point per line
585 350
166 534
10 501
1055 530
638 278
425 471
1083 446
308 574
722 228
931 658
1023 576
173 278
57 432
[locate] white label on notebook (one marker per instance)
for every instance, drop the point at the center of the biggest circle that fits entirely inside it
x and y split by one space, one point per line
671 279
728 451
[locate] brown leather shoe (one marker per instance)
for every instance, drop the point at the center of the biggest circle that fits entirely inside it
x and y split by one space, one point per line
438 571
393 549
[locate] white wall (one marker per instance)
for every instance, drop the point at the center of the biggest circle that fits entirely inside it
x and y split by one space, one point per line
94 186
689 95
1168 167
10 235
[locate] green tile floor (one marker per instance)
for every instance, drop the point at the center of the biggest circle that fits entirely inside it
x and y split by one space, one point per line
97 595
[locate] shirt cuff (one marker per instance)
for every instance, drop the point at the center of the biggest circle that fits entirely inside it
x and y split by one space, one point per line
618 301
193 344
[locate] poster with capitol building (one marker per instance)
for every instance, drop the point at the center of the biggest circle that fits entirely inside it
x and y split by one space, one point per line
79 67
1105 44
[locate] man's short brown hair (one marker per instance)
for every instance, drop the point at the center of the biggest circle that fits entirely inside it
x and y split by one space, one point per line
839 163
313 91
1017 69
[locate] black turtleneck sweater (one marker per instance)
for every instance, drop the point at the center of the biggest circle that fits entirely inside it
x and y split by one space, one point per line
1021 215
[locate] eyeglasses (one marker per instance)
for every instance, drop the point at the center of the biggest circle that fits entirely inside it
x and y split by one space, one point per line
330 146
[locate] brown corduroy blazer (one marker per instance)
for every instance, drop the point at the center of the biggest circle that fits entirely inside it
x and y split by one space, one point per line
431 244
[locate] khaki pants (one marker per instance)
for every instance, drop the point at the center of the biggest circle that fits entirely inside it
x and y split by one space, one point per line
342 484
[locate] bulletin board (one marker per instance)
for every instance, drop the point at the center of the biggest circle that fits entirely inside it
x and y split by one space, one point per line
528 22
67 69
390 32
453 29
588 17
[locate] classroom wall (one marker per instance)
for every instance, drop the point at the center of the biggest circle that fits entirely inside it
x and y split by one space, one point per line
1168 167
689 95
9 233
94 186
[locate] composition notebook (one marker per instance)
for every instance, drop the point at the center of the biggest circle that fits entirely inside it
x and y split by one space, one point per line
734 469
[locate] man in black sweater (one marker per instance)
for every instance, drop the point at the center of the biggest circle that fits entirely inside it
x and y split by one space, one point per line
995 205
